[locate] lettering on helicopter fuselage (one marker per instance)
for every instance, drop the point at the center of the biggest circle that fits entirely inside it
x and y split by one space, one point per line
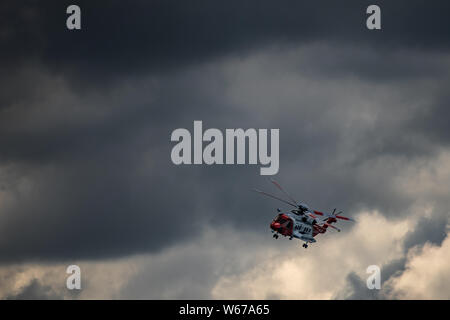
251 144
302 228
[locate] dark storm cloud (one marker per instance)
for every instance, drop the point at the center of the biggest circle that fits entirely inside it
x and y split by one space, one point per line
137 36
87 173
104 185
96 211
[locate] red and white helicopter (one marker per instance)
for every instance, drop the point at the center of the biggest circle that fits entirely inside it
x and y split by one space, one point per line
302 222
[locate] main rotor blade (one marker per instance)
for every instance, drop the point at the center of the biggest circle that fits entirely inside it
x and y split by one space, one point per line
275 197
344 218
331 226
284 191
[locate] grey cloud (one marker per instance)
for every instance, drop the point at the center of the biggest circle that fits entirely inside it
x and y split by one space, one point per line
357 289
427 230
35 291
432 230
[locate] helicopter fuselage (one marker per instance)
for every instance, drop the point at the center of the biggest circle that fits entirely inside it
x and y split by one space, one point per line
294 226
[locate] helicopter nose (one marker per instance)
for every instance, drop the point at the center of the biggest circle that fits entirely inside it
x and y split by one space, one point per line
275 225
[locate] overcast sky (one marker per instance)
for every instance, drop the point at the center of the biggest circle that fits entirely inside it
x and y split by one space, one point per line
85 170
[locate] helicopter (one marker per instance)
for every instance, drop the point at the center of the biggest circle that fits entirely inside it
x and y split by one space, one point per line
302 222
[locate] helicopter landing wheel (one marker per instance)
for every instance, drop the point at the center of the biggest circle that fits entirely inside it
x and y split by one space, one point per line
305 245
275 236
